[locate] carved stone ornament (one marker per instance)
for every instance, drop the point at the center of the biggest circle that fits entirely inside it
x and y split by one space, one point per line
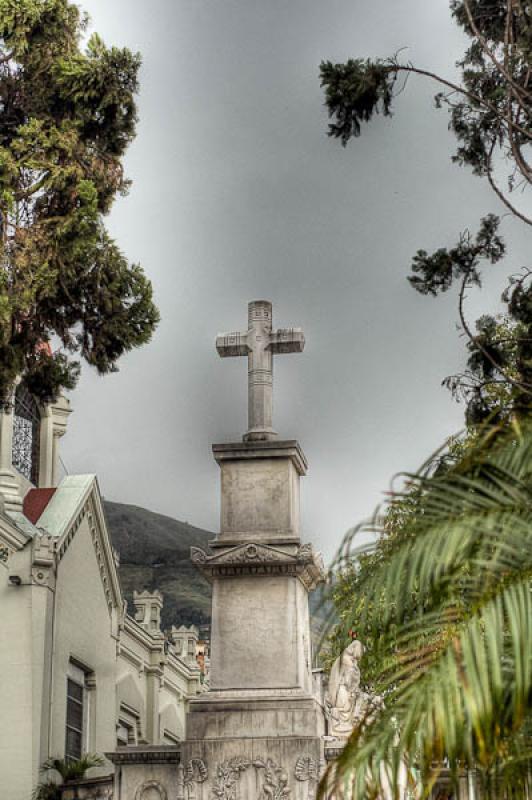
188 776
260 559
307 769
4 554
228 774
197 555
305 552
275 786
151 790
196 771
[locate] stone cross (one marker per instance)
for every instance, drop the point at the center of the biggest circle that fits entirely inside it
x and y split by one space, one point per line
259 344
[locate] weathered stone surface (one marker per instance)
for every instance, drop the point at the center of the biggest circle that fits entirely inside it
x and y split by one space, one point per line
90 789
260 634
260 490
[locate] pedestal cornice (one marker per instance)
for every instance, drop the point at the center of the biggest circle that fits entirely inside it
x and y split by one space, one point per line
256 558
244 451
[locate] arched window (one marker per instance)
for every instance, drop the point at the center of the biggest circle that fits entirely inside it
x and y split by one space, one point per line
26 435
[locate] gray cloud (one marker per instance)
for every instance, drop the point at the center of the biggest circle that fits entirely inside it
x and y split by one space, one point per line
237 195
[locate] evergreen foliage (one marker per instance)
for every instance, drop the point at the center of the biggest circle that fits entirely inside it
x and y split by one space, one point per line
67 118
490 113
445 603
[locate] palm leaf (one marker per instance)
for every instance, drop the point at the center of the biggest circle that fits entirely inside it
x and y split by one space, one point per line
450 605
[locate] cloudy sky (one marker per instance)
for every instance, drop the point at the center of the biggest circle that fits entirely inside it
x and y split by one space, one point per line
237 195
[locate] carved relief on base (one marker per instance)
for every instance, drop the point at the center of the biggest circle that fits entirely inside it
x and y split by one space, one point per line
151 790
194 773
307 769
274 779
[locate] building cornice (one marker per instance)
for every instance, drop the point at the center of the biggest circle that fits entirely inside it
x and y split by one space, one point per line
146 754
11 535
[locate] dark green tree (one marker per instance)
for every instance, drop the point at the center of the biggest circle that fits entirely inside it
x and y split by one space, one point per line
67 117
490 113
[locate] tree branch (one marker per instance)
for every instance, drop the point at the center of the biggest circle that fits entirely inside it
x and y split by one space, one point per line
461 90
500 194
483 43
474 340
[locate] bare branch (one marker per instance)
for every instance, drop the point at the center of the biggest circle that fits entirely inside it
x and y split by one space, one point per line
463 91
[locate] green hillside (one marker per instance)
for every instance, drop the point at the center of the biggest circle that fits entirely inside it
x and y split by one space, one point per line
155 554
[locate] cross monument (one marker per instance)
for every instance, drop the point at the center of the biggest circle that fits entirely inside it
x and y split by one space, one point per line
260 343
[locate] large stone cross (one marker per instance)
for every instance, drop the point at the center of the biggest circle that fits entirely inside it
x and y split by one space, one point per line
259 344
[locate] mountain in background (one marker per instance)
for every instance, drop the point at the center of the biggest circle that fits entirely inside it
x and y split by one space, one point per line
154 553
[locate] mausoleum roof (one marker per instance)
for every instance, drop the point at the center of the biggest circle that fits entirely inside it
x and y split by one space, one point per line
35 502
67 499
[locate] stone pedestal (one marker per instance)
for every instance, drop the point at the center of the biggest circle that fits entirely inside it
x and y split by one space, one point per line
259 728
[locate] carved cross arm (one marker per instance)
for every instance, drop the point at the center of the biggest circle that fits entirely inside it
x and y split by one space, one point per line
232 344
287 340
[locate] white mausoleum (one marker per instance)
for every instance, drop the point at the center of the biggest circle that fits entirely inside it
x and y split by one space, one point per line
78 674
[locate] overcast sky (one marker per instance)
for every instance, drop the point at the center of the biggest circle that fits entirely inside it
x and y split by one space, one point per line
237 195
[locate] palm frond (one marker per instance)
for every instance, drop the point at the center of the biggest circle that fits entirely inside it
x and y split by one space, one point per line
450 606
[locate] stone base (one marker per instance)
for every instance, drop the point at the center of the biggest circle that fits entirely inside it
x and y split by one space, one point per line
265 746
225 715
146 773
89 789
287 768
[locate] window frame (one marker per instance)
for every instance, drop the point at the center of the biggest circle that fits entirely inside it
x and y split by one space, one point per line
70 755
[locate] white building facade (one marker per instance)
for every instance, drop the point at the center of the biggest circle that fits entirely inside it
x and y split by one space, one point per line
77 673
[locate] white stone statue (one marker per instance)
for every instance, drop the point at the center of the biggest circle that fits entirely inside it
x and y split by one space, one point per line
346 703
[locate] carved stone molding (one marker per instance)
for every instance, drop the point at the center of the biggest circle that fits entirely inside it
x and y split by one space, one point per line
43 560
144 754
252 558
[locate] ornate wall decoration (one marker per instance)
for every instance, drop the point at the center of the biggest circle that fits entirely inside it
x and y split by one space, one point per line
275 786
151 790
308 769
228 775
4 554
195 772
